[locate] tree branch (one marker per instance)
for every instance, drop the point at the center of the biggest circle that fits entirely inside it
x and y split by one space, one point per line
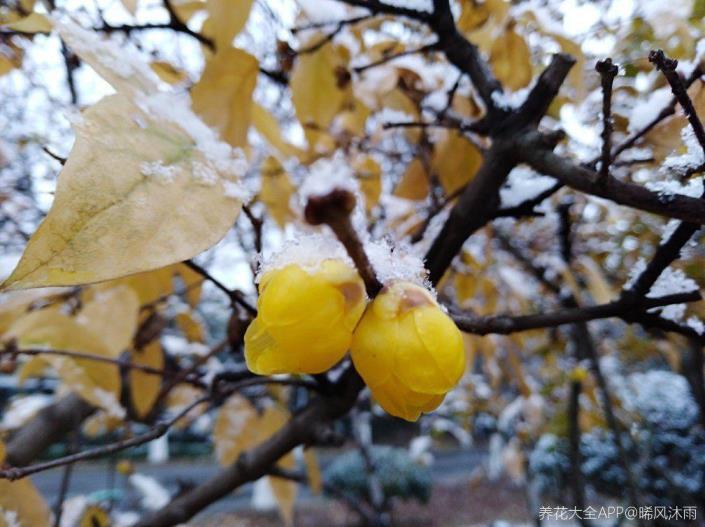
533 151
623 307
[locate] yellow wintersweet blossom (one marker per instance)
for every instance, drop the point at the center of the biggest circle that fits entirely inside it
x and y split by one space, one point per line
305 318
408 351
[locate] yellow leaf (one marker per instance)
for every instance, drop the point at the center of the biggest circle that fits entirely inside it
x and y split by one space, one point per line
22 498
192 283
94 516
32 23
226 18
100 423
369 175
575 77
191 326
472 15
268 127
105 223
235 429
182 396
597 284
168 73
313 471
185 9
112 315
239 427
285 491
130 5
353 118
149 286
510 58
2 452
414 183
223 96
96 381
145 387
6 65
34 367
400 101
455 160
15 303
315 88
276 191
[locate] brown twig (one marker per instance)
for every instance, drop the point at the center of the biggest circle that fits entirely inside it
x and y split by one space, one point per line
334 209
608 71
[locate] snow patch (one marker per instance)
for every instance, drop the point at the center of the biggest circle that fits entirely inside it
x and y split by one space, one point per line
523 184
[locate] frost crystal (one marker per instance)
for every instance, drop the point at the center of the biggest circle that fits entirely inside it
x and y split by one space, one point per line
667 189
510 100
694 157
20 410
661 397
109 403
523 184
125 69
648 109
395 262
671 281
10 518
160 171
305 249
328 174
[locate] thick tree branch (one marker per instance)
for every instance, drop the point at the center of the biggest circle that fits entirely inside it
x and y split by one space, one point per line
535 153
47 427
303 428
623 307
475 207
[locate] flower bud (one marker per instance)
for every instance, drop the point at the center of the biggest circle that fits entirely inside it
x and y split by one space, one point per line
305 318
408 351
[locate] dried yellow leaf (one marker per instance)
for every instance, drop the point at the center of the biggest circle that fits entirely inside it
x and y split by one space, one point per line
414 183
144 386
455 161
22 498
510 58
226 18
32 23
223 96
276 191
112 315
315 88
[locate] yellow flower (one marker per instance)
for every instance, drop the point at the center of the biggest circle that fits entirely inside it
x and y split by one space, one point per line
305 318
408 351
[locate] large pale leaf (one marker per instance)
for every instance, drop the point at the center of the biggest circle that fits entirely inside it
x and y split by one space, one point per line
21 500
135 194
146 184
223 96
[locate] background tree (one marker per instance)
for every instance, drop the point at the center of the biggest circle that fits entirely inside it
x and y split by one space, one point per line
490 152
